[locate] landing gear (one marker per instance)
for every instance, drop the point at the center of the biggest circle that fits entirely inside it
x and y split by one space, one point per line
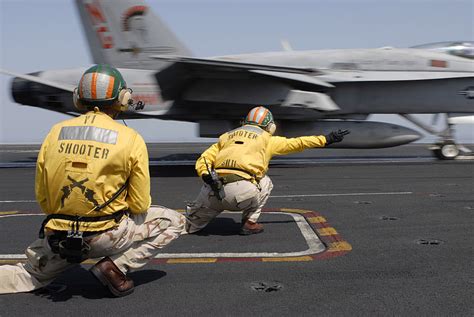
446 148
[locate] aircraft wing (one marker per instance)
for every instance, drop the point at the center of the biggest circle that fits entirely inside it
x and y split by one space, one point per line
210 81
380 76
62 86
203 62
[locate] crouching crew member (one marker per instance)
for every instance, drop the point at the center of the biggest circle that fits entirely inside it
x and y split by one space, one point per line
93 182
234 170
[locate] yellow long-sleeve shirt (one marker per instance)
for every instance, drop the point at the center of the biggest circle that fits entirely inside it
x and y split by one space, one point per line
247 151
83 162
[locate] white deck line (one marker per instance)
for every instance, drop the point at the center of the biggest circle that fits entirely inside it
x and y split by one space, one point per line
274 196
315 245
342 194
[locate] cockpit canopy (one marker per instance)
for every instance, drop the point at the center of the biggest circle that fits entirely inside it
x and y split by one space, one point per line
460 48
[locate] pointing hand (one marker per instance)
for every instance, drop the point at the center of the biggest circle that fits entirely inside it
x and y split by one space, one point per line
336 136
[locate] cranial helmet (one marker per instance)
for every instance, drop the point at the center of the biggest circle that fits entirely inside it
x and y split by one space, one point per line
262 117
102 86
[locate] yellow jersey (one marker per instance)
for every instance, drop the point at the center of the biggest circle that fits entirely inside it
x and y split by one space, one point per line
247 151
83 162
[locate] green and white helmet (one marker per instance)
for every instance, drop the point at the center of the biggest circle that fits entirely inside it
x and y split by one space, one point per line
259 116
100 85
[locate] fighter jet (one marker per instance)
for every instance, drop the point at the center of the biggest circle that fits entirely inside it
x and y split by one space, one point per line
309 92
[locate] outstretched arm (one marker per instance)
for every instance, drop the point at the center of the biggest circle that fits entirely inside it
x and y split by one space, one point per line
281 146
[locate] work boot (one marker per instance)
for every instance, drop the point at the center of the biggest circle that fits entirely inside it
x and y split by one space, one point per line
110 275
250 227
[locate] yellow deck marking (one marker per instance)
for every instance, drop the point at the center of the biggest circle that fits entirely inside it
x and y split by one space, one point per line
329 231
8 212
339 246
298 211
195 260
318 219
12 261
288 259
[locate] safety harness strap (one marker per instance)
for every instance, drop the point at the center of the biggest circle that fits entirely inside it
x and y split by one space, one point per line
121 189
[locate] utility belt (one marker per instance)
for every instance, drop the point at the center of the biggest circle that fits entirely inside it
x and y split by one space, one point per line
70 245
231 178
117 216
254 179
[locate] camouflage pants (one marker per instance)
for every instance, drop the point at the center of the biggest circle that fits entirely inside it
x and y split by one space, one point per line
239 196
131 245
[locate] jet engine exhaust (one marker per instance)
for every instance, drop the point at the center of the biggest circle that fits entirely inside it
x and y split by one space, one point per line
29 93
24 92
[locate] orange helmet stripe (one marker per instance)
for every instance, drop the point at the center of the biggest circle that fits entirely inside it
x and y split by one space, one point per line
254 119
110 87
263 116
94 86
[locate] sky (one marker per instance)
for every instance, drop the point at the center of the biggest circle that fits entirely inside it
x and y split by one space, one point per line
46 34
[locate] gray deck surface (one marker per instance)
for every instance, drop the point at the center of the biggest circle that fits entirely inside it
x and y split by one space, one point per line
383 203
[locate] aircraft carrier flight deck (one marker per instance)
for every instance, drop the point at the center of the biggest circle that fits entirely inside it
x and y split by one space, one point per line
384 232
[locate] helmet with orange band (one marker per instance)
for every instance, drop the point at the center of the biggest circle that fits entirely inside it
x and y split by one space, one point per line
102 86
262 117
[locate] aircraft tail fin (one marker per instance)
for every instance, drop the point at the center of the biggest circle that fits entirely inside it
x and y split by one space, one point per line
124 33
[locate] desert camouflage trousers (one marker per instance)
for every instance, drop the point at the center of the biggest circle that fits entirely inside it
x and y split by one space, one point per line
239 196
135 241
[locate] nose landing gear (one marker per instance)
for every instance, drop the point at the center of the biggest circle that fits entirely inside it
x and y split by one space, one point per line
445 150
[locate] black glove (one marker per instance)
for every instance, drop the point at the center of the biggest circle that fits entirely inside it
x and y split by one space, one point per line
207 178
336 136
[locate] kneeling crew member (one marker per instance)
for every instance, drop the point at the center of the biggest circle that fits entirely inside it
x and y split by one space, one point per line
93 182
240 159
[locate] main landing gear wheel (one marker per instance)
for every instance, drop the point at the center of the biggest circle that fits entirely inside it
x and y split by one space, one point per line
446 151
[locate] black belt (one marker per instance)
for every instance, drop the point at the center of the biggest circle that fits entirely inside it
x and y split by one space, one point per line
240 170
117 216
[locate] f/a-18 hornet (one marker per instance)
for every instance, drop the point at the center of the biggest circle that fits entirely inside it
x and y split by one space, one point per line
309 92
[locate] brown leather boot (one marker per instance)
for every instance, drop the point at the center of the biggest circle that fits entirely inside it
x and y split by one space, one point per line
250 227
110 275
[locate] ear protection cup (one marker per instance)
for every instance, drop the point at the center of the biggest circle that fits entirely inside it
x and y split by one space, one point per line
125 95
77 103
271 128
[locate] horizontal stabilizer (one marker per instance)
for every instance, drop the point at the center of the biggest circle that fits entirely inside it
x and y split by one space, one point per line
62 86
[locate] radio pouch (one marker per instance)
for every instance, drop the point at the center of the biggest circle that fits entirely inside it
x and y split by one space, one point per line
74 249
